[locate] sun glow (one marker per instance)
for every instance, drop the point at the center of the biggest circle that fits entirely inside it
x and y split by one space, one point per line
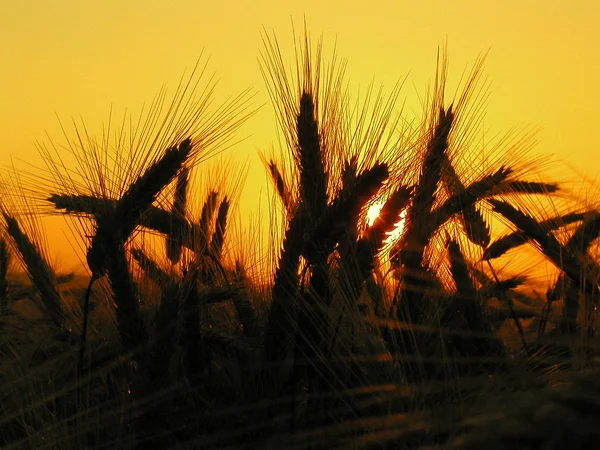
396 233
373 212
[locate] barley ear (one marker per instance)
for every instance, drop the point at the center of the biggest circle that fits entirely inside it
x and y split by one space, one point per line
559 255
424 194
464 198
342 214
313 177
142 193
518 238
201 233
460 271
38 269
280 186
218 237
151 268
116 228
473 223
82 204
175 239
371 244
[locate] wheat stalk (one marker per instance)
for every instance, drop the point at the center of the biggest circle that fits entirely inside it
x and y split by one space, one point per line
243 305
409 251
106 253
175 239
38 269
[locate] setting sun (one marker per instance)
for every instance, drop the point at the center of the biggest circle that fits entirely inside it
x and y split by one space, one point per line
373 213
331 227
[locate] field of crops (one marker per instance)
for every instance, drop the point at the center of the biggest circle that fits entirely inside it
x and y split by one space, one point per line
401 304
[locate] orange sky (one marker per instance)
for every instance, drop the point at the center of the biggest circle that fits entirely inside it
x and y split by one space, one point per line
77 58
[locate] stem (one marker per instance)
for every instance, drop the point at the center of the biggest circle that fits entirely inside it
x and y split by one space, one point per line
86 307
512 311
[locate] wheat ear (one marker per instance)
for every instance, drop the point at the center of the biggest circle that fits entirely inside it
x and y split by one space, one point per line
175 239
38 269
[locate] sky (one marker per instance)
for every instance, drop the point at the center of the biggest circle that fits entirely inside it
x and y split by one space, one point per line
71 59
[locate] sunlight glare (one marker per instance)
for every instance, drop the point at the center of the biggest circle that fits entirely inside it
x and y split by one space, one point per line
373 212
396 233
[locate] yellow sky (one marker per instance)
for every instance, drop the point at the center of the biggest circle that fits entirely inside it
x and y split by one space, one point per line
77 58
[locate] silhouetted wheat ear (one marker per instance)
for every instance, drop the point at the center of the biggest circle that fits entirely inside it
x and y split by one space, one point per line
313 177
478 190
560 256
518 238
408 252
433 163
585 234
143 192
475 227
116 229
155 218
218 237
531 187
460 271
151 268
371 244
175 240
83 204
389 214
280 186
201 234
473 223
4 263
342 215
38 269
491 288
424 194
579 243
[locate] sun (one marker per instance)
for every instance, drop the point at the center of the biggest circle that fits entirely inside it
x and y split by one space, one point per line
396 233
373 212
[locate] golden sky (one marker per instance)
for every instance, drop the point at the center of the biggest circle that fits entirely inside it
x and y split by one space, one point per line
78 58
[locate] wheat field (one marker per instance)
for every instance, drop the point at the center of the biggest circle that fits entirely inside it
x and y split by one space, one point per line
399 304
